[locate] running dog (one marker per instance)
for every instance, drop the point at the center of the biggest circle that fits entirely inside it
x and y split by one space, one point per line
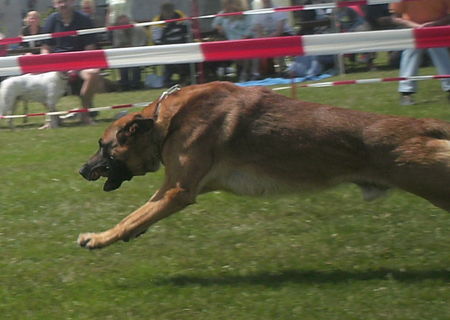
252 141
46 88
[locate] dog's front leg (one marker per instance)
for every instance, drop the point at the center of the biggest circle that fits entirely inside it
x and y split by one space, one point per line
12 111
162 204
54 120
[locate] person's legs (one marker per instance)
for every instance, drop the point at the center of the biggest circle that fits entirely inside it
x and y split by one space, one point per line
315 67
300 66
244 69
135 77
91 79
169 70
185 74
441 60
409 66
124 79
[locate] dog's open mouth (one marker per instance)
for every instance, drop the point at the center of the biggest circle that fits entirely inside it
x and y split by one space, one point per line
115 171
96 173
113 184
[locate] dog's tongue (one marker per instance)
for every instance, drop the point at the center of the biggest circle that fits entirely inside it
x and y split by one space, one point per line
111 185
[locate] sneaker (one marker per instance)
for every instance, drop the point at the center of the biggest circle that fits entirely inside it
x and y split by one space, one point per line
406 100
70 116
45 126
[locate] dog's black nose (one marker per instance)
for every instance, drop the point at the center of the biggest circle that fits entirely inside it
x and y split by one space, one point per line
85 171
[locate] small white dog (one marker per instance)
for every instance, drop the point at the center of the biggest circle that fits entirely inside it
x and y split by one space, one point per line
46 88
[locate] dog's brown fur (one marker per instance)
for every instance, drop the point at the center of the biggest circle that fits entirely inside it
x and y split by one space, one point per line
219 136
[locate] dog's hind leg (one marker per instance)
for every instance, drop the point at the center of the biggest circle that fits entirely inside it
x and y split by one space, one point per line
25 110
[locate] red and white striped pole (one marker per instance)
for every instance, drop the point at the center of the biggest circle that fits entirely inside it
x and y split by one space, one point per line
321 44
195 17
367 81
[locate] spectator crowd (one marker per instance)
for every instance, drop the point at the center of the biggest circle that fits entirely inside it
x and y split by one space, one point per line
74 15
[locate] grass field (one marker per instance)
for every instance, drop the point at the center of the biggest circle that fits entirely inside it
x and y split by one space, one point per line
316 256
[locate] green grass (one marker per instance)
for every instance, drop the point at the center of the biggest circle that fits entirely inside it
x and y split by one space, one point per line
315 256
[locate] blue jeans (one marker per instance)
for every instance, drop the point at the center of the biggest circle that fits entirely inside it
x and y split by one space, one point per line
410 63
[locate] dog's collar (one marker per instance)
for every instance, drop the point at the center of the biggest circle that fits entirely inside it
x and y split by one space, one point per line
163 96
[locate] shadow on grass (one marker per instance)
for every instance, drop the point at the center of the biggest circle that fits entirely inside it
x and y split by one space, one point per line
306 277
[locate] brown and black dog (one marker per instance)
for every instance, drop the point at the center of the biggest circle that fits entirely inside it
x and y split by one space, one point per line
252 141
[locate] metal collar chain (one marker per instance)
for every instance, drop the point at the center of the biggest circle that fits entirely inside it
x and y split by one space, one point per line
163 96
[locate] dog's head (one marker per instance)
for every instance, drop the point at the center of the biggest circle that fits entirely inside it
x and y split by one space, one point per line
126 149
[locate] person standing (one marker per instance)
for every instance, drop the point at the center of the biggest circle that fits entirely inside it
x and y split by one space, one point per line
274 24
235 28
130 78
32 26
172 32
421 14
89 8
66 18
271 24
117 8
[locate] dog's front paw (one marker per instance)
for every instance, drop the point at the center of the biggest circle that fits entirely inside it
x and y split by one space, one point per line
91 241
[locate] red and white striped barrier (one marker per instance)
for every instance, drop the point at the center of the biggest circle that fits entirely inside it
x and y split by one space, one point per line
312 85
45 36
374 80
366 81
323 44
61 113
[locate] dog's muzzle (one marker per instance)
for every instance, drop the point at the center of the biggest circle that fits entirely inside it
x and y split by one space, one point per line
114 170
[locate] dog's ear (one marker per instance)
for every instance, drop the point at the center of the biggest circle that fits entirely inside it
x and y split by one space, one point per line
135 127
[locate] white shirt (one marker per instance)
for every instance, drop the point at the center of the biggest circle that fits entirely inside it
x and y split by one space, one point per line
117 8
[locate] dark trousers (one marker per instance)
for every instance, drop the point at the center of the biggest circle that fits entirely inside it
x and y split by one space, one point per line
130 78
170 69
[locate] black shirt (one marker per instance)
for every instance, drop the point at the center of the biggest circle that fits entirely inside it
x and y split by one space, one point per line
79 21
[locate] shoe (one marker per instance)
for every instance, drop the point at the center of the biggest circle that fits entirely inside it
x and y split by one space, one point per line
70 116
86 119
93 114
406 100
45 126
